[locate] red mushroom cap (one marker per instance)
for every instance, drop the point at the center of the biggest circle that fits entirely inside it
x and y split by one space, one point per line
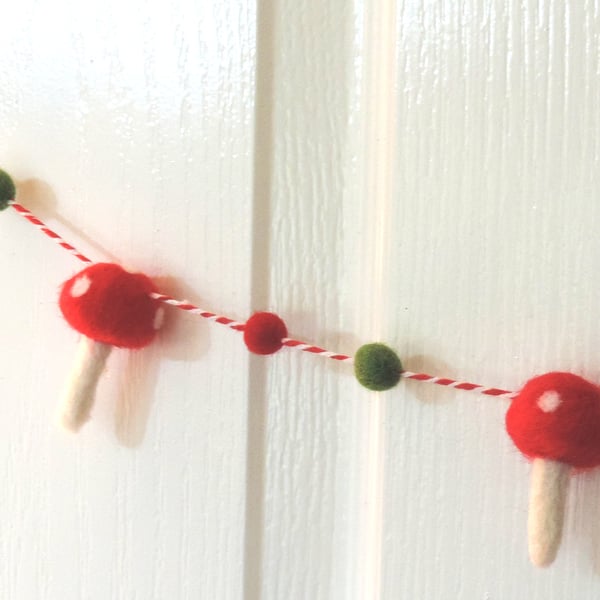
557 416
109 305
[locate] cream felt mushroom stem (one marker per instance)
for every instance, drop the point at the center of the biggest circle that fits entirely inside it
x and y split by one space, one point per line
555 421
109 307
547 498
80 389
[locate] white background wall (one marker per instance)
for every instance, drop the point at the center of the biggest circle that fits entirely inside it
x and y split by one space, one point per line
423 173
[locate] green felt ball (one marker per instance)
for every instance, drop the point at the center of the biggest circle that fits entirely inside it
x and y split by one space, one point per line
377 367
7 189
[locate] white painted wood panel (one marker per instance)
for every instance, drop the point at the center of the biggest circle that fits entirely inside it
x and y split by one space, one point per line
492 272
477 264
424 173
130 124
313 500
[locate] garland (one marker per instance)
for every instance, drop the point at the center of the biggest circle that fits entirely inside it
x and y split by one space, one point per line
554 420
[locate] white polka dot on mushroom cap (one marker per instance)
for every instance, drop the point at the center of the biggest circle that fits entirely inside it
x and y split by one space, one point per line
80 286
549 401
159 317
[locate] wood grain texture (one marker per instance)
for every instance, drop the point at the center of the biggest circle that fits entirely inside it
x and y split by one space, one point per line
496 231
130 124
314 422
434 188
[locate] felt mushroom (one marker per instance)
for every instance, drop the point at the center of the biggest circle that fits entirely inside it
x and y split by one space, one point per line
555 421
109 307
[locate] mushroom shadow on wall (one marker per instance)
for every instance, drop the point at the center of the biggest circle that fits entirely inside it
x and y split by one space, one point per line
180 339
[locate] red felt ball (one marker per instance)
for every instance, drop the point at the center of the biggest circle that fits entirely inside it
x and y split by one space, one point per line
110 305
557 416
264 332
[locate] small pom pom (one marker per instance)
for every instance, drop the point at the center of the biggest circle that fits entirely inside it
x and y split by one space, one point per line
264 332
377 367
7 189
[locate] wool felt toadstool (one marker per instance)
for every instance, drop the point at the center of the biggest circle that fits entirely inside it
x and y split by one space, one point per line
109 307
555 421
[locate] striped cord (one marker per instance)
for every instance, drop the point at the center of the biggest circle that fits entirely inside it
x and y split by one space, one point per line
304 347
237 326
27 214
459 385
195 310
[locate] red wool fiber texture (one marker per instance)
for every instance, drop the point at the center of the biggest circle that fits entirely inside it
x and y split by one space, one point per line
264 333
115 309
568 430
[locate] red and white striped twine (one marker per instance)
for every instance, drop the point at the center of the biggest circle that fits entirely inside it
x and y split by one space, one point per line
459 385
195 310
24 212
237 326
304 347
181 304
